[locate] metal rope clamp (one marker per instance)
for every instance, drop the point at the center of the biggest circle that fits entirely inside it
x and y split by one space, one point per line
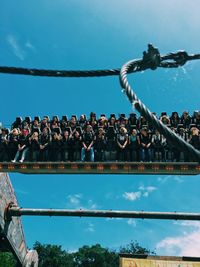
151 58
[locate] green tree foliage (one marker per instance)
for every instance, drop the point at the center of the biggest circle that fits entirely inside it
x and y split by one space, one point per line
53 256
95 256
7 260
86 256
135 248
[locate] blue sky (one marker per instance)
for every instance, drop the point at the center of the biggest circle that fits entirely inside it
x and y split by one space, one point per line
92 35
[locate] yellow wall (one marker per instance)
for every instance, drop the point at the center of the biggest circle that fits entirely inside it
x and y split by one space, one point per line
131 262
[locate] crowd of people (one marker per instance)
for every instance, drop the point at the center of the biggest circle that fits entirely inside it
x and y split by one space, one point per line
97 138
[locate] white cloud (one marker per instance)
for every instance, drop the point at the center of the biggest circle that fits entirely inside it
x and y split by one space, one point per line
74 199
165 179
192 224
16 48
142 192
145 194
90 228
77 201
116 219
19 50
147 190
187 244
131 222
30 46
132 196
150 188
92 205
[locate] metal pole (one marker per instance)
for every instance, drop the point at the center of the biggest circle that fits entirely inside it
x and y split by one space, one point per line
16 212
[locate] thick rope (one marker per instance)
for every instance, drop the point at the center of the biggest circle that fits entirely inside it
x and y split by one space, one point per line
171 137
172 60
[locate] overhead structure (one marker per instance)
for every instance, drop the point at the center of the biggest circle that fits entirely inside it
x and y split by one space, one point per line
154 168
11 233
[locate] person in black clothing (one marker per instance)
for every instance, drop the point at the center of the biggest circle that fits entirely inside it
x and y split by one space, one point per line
112 122
35 126
195 138
93 122
122 122
4 145
34 147
141 122
44 123
76 146
73 124
185 119
184 134
134 145
64 123
145 145
87 152
168 150
122 144
55 124
132 120
17 123
23 146
66 147
56 147
99 145
165 119
196 118
176 151
174 119
45 140
157 146
13 143
110 151
102 122
82 121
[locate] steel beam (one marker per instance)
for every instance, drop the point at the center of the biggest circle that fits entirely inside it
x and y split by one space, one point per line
170 168
14 211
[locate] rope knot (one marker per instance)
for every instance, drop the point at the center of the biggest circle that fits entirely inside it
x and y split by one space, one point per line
175 59
151 58
181 57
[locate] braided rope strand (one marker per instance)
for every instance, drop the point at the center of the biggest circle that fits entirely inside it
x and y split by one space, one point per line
171 137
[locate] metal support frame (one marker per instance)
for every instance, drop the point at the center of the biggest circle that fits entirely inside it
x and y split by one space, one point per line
11 232
15 211
172 168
